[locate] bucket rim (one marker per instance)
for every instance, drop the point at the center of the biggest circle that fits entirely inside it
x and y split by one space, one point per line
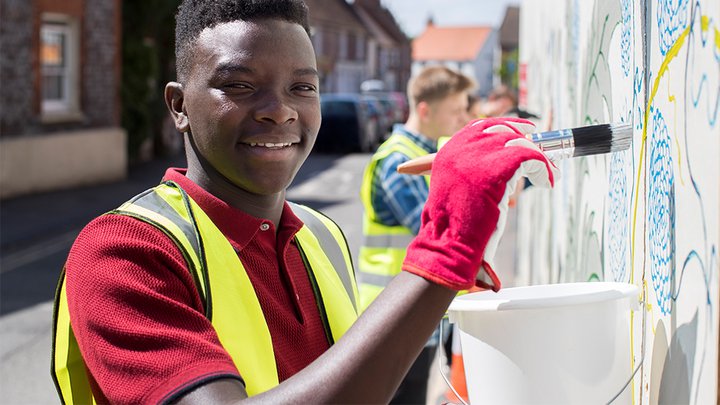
568 294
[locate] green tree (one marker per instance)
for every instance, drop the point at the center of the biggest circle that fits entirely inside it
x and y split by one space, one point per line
509 69
148 46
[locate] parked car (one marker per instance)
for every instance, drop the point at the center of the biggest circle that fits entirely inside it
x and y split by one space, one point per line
395 105
348 124
402 109
398 100
382 113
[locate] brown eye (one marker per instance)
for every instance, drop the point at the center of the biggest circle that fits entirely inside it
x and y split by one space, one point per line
239 86
307 90
305 87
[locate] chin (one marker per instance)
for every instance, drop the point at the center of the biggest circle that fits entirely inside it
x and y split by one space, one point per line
259 188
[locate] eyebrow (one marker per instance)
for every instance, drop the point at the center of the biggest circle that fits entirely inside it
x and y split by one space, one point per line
306 72
229 68
232 68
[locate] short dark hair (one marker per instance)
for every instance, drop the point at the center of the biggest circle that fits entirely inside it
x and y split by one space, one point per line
194 16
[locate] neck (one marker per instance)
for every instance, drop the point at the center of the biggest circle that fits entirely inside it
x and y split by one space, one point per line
413 124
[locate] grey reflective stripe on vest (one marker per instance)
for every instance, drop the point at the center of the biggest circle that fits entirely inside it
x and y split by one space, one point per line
374 279
329 245
153 202
399 241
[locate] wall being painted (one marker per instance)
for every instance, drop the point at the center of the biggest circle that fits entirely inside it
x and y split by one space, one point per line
647 216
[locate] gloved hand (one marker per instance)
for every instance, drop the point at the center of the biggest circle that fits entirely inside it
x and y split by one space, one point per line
473 176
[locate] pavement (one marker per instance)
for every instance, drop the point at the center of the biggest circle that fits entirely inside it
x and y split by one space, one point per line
36 232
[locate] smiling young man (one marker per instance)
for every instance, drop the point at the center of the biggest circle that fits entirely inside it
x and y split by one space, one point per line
211 287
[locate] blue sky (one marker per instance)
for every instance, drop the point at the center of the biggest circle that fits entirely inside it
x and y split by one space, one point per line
412 15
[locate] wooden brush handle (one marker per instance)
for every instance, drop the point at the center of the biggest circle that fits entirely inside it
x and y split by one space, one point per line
419 166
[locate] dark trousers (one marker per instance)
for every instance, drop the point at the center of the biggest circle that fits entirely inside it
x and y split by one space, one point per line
413 389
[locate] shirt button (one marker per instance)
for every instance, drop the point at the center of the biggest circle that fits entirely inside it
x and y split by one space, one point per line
264 227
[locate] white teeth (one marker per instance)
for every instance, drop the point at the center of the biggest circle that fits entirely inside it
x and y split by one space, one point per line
271 145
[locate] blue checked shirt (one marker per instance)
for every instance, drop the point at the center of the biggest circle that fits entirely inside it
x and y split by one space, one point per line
398 199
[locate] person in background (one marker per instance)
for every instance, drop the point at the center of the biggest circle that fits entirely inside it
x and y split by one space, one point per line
393 202
211 288
499 103
502 102
474 109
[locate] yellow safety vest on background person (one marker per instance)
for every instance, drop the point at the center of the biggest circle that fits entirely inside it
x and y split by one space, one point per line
384 247
442 141
227 294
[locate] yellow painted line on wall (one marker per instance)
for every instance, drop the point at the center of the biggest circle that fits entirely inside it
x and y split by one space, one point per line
672 53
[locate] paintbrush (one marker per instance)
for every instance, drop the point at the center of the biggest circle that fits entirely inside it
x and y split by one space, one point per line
584 141
557 145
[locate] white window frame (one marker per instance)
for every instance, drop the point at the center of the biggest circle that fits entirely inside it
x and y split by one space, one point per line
68 106
343 44
317 40
360 46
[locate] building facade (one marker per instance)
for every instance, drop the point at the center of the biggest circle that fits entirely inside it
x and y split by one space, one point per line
60 99
473 51
389 50
357 42
341 42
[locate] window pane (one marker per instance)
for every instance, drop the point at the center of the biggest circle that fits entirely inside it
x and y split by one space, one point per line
55 38
52 51
52 87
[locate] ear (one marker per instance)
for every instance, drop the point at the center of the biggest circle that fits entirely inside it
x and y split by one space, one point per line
175 101
423 110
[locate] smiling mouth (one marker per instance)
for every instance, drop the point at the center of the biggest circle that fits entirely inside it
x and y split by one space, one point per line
270 145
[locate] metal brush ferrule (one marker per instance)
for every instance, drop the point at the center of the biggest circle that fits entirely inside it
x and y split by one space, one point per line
554 140
556 145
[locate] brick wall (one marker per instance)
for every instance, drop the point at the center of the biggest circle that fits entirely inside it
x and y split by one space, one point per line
100 47
86 141
16 85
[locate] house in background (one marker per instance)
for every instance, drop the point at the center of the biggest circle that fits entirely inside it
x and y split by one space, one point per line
60 99
389 52
341 43
473 51
356 42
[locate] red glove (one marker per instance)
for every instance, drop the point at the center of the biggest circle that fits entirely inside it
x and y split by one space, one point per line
473 176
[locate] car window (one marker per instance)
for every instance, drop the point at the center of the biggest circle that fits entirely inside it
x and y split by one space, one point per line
335 107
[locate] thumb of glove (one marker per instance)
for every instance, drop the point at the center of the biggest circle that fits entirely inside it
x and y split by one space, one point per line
534 170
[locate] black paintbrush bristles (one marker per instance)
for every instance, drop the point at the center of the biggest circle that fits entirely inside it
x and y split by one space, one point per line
601 138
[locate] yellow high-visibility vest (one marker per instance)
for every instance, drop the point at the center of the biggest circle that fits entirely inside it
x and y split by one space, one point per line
384 247
227 294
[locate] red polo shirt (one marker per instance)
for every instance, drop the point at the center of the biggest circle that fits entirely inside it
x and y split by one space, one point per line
138 317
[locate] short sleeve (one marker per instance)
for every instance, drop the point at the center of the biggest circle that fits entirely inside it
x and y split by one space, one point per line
137 315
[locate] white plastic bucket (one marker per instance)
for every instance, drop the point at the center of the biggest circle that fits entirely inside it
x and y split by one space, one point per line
547 344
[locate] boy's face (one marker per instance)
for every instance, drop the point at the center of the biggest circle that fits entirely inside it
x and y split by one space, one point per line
446 116
252 102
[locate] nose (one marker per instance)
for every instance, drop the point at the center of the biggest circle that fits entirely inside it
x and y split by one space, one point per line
274 107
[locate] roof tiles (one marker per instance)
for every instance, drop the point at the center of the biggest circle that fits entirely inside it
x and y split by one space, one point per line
449 43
